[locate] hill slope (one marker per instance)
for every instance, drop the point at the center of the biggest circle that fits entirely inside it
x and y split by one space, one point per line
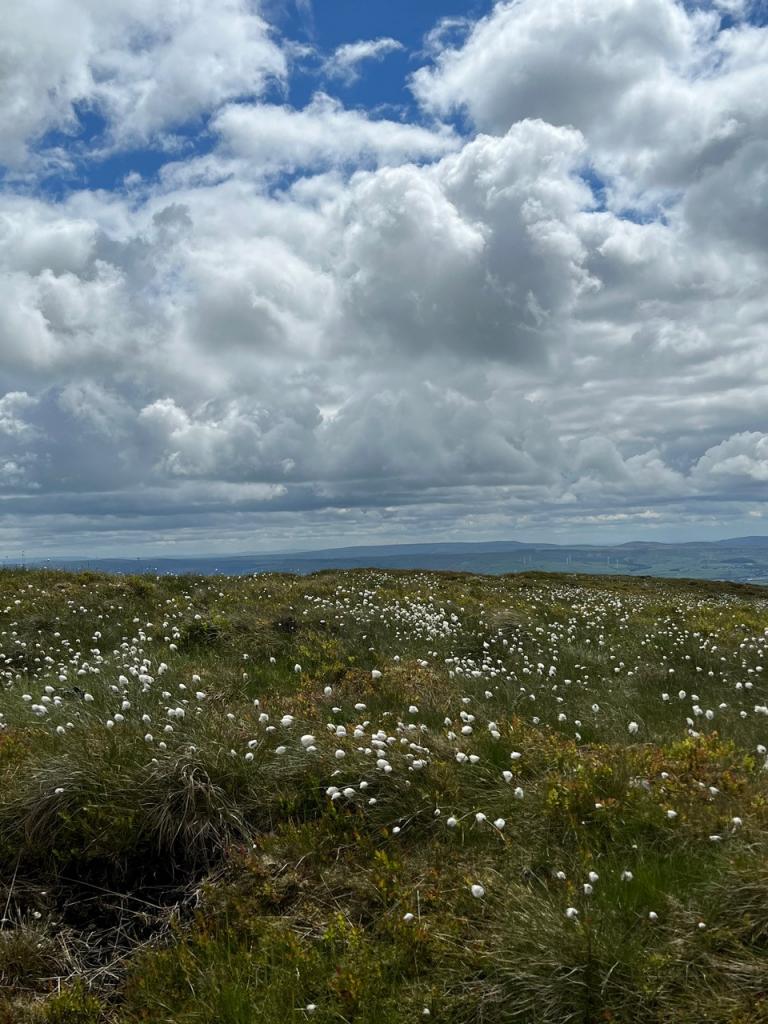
382 796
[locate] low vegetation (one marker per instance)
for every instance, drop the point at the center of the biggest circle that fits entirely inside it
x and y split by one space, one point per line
382 797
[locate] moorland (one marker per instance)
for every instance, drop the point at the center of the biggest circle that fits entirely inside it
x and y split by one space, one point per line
382 796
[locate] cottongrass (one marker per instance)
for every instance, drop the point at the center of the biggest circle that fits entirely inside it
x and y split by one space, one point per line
377 794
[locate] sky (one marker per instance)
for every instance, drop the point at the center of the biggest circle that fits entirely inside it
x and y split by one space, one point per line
299 273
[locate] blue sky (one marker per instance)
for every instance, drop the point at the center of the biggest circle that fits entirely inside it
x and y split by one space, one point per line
328 26
284 275
382 89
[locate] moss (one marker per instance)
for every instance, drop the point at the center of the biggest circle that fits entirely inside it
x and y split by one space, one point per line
74 1005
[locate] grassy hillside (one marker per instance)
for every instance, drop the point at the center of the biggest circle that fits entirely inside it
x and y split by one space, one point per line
382 797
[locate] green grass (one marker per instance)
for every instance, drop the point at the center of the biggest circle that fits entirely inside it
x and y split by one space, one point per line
170 854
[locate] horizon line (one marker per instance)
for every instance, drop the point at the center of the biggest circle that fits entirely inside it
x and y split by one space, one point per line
362 547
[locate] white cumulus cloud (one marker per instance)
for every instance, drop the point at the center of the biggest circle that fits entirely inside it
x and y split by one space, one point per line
345 61
323 322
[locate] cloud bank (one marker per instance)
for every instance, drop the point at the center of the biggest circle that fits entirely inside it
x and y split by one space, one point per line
534 304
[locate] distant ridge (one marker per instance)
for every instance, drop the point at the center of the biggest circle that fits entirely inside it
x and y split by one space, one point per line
448 547
359 551
435 548
469 547
735 559
728 542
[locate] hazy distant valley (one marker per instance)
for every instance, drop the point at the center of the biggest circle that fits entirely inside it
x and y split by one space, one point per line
740 559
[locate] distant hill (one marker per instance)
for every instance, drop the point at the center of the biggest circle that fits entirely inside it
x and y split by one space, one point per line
477 547
738 559
743 542
452 547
